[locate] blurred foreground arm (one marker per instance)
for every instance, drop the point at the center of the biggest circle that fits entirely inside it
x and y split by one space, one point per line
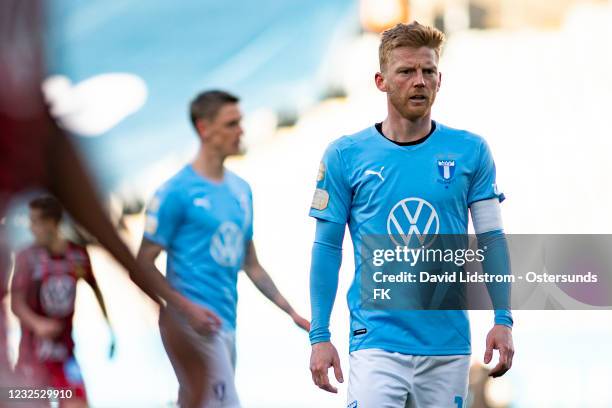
72 185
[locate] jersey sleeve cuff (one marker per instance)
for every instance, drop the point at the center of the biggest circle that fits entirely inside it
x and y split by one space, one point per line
319 336
504 318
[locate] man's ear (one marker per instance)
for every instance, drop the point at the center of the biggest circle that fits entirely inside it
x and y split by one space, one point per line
381 84
201 127
439 81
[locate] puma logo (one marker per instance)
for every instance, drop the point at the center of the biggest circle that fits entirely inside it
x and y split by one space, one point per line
376 173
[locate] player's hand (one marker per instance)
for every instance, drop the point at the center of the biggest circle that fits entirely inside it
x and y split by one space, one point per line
48 328
500 338
325 355
201 319
300 321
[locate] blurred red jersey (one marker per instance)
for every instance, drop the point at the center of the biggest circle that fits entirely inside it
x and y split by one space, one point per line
49 282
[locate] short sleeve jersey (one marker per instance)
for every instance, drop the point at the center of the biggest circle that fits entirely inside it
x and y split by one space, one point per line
205 228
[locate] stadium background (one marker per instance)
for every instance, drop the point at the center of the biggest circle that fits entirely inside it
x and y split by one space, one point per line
532 77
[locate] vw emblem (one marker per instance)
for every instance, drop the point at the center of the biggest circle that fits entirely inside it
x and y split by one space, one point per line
227 245
410 217
57 295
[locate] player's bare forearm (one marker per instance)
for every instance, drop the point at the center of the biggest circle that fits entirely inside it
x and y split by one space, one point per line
145 280
201 319
156 281
263 282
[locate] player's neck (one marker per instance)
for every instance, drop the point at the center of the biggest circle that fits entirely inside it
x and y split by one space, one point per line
404 130
209 164
57 246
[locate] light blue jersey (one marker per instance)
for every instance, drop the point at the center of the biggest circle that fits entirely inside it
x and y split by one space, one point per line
205 228
381 188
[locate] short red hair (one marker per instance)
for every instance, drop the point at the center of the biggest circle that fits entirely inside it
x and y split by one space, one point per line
414 35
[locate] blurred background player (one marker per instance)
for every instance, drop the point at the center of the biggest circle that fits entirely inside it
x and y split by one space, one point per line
203 218
404 357
43 296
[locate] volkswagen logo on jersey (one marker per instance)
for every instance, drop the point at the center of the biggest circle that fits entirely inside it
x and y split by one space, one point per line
411 218
227 244
446 168
57 295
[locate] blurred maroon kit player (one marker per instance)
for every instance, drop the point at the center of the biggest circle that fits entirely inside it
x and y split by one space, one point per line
43 297
49 283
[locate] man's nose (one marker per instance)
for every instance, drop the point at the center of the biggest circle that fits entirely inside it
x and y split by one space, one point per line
419 79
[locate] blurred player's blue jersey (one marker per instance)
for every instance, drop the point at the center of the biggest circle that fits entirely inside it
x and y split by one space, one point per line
379 187
205 228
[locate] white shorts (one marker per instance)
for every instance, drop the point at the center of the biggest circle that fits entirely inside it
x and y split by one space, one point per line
383 379
219 351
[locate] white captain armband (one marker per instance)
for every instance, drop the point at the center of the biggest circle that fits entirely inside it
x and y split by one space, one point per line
486 215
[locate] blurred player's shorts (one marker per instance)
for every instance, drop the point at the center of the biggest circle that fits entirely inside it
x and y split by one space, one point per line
219 352
59 375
